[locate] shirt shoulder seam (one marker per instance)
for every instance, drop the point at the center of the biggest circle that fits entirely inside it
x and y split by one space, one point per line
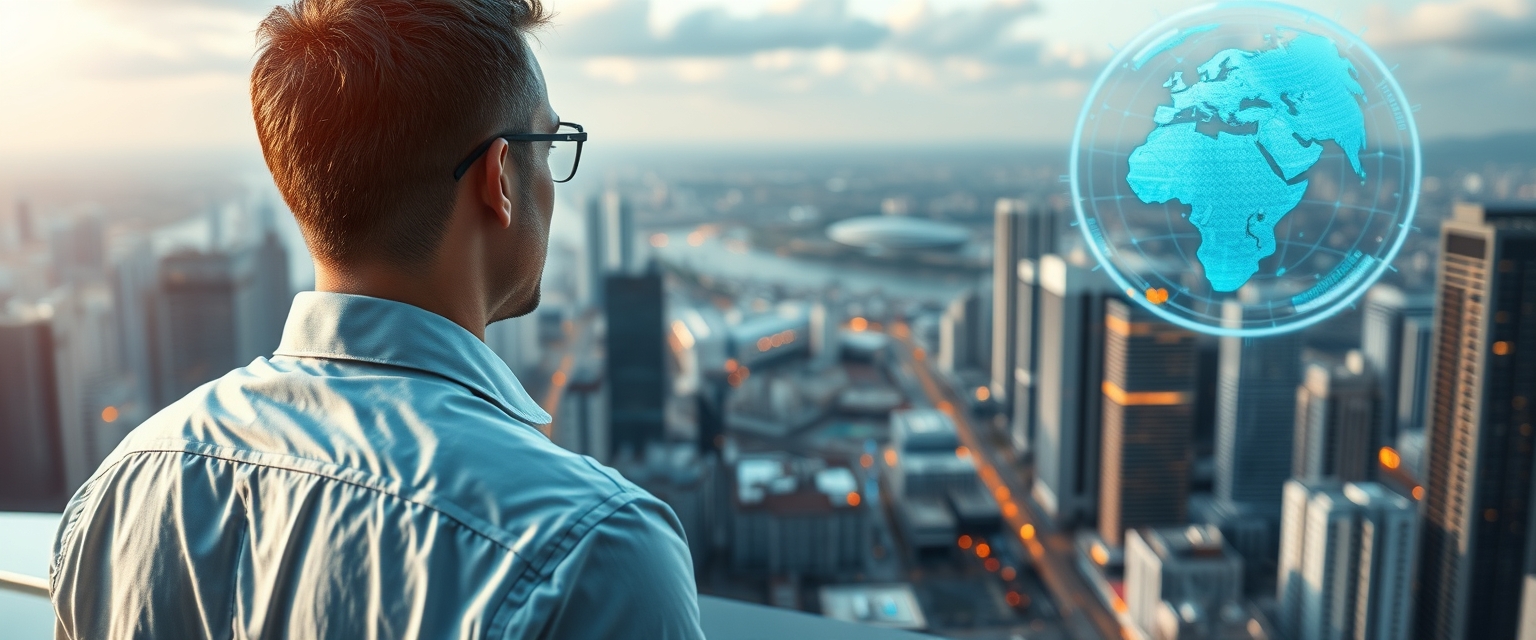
522 586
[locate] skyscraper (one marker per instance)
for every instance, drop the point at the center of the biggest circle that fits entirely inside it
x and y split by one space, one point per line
1392 322
636 360
1255 414
1020 231
960 333
1477 506
1026 335
78 249
582 421
217 311
1008 237
1069 389
594 264
1346 561
32 476
1336 409
1149 413
619 231
516 341
1255 420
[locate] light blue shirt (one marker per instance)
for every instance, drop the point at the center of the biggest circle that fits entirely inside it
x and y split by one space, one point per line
379 477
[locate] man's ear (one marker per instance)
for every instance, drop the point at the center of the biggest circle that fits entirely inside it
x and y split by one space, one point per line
499 185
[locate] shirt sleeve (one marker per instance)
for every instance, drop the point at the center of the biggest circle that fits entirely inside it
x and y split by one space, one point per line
630 577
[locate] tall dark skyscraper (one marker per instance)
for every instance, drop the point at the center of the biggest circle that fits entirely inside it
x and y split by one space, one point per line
1255 420
215 312
1477 504
1255 415
1009 234
31 440
594 264
1026 353
1336 410
1393 323
32 474
1069 389
1149 414
637 369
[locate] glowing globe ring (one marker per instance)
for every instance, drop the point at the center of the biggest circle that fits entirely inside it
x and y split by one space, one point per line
1357 289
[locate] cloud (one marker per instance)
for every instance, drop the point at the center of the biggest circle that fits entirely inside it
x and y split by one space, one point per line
621 29
1480 26
817 41
984 33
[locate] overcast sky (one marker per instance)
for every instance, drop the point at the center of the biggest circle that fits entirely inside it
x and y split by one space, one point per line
114 76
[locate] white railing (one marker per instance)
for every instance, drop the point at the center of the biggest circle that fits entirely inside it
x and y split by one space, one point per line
722 619
28 585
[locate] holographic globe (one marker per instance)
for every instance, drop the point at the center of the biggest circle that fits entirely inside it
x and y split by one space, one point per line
1247 155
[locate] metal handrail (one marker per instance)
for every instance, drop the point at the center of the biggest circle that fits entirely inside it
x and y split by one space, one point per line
23 584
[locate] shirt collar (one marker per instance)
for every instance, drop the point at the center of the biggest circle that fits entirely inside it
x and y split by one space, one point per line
348 327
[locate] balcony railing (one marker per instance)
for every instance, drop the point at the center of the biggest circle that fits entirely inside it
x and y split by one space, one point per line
722 619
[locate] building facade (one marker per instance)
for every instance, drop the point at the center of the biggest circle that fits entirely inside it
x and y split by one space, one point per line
1188 568
1148 418
1336 421
1477 507
1346 562
1069 389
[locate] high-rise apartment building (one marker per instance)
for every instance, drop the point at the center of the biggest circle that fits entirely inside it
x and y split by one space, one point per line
32 475
1346 561
1069 389
1336 418
1394 327
1026 350
637 379
1148 416
1477 506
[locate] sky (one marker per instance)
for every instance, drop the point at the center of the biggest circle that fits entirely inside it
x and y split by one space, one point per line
114 77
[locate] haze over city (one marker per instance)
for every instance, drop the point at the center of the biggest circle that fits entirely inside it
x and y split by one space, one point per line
820 287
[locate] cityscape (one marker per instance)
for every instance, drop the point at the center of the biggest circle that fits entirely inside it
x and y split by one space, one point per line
884 382
894 390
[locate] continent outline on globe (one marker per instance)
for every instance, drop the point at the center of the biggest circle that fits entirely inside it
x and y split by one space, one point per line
1268 113
1356 207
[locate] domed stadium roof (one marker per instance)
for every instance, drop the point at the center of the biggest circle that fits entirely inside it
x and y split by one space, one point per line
897 232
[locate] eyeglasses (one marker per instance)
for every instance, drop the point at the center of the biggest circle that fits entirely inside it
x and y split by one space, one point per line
563 158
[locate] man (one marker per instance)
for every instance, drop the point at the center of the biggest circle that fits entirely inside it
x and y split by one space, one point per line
381 475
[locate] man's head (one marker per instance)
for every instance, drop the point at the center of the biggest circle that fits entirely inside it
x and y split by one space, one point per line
364 107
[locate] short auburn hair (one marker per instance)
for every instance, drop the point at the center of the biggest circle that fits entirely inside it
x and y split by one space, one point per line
364 107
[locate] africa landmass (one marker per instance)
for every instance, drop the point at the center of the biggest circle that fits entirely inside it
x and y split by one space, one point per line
1235 146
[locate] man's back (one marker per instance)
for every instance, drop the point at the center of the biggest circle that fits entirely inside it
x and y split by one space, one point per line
378 477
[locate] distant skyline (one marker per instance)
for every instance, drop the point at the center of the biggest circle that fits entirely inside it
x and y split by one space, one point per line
116 77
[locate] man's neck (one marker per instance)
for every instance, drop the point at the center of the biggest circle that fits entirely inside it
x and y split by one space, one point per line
457 299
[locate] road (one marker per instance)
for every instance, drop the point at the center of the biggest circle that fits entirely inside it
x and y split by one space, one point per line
1085 616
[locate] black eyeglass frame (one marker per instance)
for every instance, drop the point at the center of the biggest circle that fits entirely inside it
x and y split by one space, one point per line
579 138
